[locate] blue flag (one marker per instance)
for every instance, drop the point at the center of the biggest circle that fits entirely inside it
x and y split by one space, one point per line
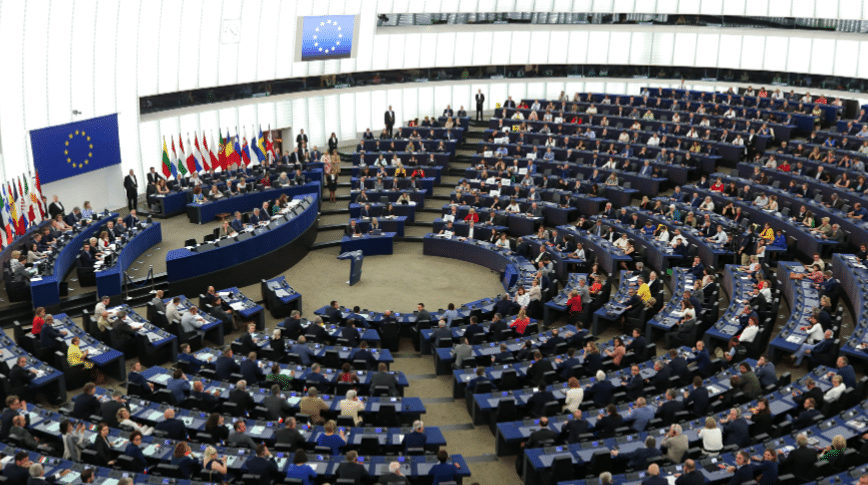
327 37
72 149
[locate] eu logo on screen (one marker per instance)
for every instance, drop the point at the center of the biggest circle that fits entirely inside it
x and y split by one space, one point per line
327 37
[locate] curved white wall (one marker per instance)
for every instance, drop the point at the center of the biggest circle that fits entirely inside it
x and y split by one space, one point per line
101 56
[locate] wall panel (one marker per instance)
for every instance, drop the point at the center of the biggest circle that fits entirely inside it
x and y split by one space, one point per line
82 58
170 47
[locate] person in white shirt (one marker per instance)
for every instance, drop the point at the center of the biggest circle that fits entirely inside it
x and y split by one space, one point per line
535 105
707 205
610 165
622 241
663 234
750 332
592 110
739 141
712 437
624 137
692 133
676 236
836 391
513 207
720 237
687 311
653 141
811 341
730 113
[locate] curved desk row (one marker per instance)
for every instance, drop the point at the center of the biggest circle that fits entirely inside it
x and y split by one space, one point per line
484 254
658 253
430 145
852 275
675 172
738 287
560 259
745 170
110 281
433 171
423 183
247 258
709 253
858 229
45 291
403 210
803 298
808 242
518 223
208 211
665 319
21 242
416 195
439 159
614 309
607 255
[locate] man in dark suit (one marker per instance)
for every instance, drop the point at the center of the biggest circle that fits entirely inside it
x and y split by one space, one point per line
135 377
382 378
226 366
806 417
73 217
132 219
691 475
480 104
666 410
292 326
800 461
696 400
498 324
173 426
301 139
638 459
538 369
250 370
473 329
654 477
389 120
537 402
743 470
289 435
505 306
56 207
353 229
353 469
660 379
351 334
362 353
633 385
678 364
568 364
87 403
131 185
542 435
637 345
572 429
18 472
416 438
205 401
242 398
86 257
19 375
735 429
154 176
814 392
551 344
276 404
334 313
601 391
263 464
109 409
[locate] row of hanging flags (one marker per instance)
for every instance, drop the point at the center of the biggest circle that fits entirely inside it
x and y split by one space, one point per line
230 153
22 206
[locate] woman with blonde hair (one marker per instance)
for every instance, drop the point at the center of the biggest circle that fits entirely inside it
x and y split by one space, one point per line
521 322
575 395
712 437
215 466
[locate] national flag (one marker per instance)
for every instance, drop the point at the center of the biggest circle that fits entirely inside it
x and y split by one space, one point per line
236 145
232 157
42 207
5 239
197 154
245 152
22 219
221 152
31 199
7 217
173 165
13 213
259 148
181 168
191 157
215 163
167 164
269 146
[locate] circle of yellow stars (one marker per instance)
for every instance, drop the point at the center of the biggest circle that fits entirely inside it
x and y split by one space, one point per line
72 137
340 36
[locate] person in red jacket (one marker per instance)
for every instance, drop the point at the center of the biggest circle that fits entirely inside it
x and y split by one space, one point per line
472 216
521 322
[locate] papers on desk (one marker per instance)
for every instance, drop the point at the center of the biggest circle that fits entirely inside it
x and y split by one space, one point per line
153 337
400 438
494 193
237 306
224 294
856 424
257 430
155 416
671 479
293 400
795 339
161 378
488 153
151 449
449 218
70 477
447 234
281 293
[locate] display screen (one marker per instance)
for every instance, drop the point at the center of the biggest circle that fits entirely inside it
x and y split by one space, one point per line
327 37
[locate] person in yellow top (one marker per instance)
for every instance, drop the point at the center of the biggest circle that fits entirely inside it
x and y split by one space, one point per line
644 291
400 171
75 356
767 233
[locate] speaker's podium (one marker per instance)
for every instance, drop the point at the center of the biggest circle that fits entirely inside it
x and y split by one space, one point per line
356 258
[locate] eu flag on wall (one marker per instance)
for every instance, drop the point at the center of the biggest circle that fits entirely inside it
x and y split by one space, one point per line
327 37
72 149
